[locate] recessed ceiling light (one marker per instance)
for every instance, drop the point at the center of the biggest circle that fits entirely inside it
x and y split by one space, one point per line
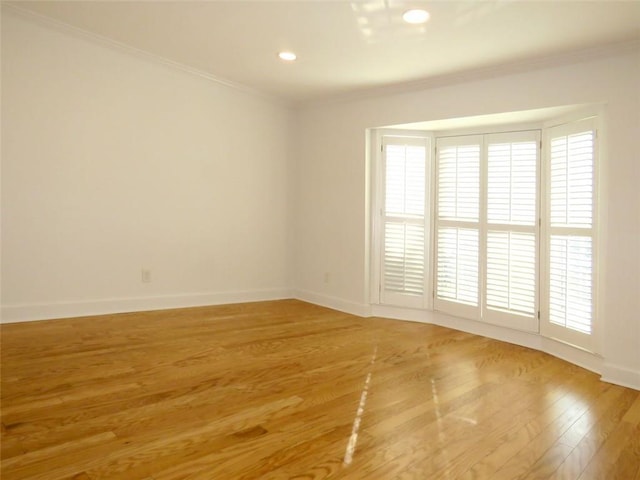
287 56
415 16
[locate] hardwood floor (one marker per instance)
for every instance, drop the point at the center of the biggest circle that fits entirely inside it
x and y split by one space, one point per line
288 390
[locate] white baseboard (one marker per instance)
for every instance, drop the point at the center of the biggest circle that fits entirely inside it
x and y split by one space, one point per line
508 335
45 311
569 353
358 309
609 373
621 376
399 313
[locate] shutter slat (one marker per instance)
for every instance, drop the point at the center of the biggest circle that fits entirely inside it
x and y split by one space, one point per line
570 255
403 268
511 200
457 275
572 180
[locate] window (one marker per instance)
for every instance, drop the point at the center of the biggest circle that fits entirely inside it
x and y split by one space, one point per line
458 225
511 230
487 228
569 227
403 272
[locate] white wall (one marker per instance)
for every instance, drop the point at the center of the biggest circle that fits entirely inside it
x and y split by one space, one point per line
112 162
331 189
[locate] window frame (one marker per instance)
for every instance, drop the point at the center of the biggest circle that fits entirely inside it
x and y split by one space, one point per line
588 342
593 113
378 224
481 312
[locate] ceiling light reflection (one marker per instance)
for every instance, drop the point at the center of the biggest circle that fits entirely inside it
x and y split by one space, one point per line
287 56
353 439
416 16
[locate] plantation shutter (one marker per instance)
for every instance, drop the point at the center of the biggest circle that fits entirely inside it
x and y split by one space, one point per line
512 230
404 269
570 232
458 225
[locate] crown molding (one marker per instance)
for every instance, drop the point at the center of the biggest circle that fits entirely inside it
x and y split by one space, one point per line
355 94
499 70
101 40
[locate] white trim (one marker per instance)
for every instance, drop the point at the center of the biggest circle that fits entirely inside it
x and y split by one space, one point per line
572 354
590 119
483 73
400 313
577 356
378 139
335 303
46 311
611 373
101 40
619 375
475 327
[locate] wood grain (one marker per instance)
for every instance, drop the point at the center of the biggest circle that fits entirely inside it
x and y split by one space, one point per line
287 390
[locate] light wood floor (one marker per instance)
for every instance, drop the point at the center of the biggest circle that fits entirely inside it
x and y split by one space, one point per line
287 390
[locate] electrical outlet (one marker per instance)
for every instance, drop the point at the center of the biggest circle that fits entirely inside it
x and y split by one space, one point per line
146 275
327 277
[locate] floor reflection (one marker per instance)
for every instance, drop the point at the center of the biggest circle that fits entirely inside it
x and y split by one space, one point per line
353 439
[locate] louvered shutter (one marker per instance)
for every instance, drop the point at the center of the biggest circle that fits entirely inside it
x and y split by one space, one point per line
404 271
457 225
512 230
570 231
487 228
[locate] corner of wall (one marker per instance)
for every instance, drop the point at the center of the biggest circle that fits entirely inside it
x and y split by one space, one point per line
619 375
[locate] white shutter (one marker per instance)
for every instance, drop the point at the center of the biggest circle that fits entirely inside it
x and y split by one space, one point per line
403 265
487 228
459 181
457 276
512 179
570 282
457 225
404 259
405 173
511 272
572 180
510 285
569 312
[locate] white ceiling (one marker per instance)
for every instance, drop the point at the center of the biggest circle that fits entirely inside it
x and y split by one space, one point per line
345 46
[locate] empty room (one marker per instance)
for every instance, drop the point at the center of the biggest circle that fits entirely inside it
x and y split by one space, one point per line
368 239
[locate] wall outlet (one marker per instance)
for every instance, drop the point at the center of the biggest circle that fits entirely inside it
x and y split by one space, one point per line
145 275
327 277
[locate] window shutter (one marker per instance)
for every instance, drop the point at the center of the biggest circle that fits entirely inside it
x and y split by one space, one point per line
572 180
403 270
512 230
487 228
511 272
457 225
570 287
512 181
459 182
570 232
457 278
405 180
404 265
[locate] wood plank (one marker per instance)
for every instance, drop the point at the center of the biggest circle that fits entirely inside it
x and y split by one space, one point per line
283 390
